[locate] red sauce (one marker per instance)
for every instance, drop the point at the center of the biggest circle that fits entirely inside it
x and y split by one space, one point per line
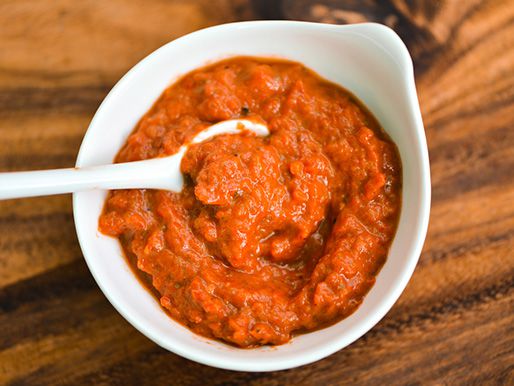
270 236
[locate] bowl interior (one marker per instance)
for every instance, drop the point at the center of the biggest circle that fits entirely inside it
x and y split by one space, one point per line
367 59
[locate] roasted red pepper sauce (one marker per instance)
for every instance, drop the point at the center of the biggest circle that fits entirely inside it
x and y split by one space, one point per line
270 236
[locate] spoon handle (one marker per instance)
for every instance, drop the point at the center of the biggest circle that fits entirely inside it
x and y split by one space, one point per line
157 173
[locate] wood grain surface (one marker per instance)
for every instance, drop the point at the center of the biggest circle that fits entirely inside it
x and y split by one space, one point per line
454 324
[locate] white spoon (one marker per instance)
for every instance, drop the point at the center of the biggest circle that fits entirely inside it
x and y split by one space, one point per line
157 173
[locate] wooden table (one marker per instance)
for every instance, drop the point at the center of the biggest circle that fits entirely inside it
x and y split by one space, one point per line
454 324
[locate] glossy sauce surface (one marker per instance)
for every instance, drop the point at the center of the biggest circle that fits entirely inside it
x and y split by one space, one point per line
270 236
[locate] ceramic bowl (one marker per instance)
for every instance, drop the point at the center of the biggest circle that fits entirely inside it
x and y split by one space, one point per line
369 60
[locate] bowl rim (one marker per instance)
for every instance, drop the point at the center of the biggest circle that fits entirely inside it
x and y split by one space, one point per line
419 233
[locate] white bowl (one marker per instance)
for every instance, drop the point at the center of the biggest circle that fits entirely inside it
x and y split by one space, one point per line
372 62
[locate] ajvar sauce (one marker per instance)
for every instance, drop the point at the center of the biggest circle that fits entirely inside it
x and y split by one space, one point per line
270 236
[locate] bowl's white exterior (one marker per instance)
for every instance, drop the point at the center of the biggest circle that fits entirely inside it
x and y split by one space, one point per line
372 62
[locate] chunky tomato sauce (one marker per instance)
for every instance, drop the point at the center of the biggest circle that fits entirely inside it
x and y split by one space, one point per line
270 236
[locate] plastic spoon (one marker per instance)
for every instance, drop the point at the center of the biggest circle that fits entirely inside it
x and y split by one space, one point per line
157 173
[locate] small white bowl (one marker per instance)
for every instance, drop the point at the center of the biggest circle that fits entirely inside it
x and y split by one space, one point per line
372 62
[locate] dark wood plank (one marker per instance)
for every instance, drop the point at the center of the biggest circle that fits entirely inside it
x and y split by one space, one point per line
454 324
